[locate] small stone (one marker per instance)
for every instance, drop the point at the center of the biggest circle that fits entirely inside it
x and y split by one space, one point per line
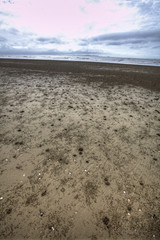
106 221
124 192
53 228
44 193
41 214
129 208
39 174
1 198
106 181
8 211
129 214
129 200
139 210
6 159
63 190
154 216
81 149
24 175
141 183
76 212
154 236
85 170
69 173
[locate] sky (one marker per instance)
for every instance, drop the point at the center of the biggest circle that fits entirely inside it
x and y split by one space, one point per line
122 28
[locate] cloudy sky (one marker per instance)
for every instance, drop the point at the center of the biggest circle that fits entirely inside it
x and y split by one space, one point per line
127 28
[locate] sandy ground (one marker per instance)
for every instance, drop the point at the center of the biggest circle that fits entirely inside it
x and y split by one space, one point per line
79 151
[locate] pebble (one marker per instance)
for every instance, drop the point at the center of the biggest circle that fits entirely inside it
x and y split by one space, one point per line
6 159
53 228
85 170
24 175
124 192
154 236
69 173
41 214
1 198
129 214
129 200
139 210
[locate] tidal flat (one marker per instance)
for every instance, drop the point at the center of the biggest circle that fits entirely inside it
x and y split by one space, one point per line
79 151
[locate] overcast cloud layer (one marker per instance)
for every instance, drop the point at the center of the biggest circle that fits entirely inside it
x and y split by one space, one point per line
129 28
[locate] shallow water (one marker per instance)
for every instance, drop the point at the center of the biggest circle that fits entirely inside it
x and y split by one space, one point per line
89 58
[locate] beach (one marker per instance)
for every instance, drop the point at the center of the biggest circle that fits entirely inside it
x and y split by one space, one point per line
79 150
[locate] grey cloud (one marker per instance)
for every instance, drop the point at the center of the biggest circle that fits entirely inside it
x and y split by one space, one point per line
6 14
12 31
93 1
116 43
9 37
156 47
8 1
28 43
83 10
2 39
46 40
1 22
132 38
144 6
12 37
149 10
30 51
153 35
3 13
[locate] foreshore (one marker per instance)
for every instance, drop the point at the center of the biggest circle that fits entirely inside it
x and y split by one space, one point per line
80 150
110 74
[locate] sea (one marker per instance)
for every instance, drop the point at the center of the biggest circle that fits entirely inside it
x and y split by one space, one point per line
88 58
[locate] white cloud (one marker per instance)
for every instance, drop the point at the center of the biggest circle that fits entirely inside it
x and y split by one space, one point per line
62 24
67 17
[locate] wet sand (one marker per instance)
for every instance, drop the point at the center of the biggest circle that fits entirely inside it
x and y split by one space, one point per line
80 151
